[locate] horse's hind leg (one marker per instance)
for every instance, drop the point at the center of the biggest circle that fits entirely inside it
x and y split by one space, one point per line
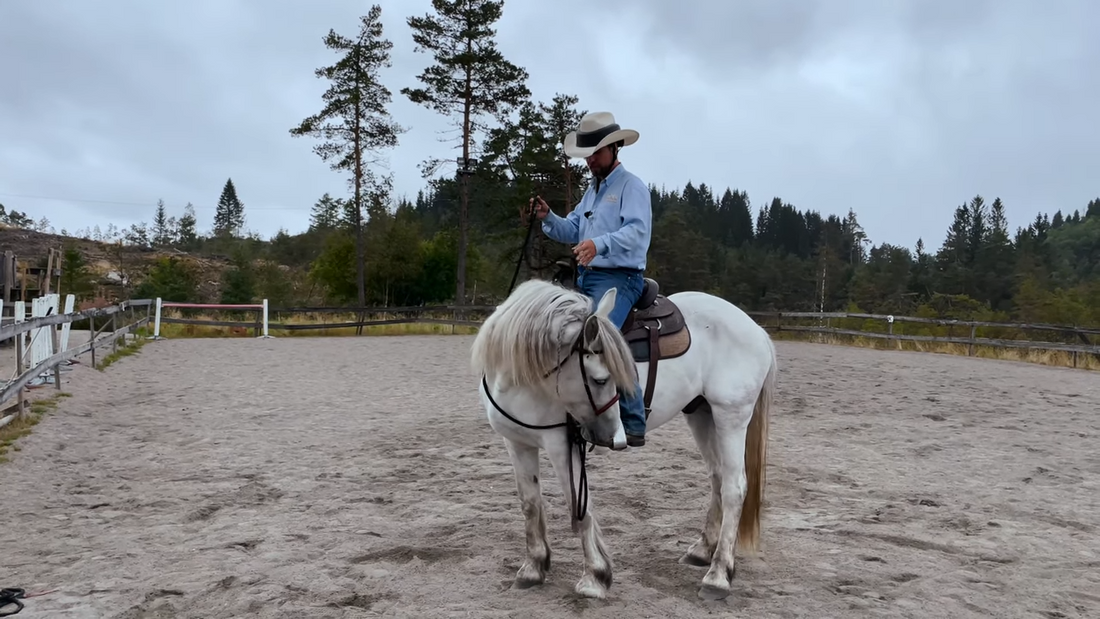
525 461
701 424
730 425
596 579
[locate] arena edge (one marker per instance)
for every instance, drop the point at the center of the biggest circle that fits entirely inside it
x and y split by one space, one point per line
1079 348
1007 341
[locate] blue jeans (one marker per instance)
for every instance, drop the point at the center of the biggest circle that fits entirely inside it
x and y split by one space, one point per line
594 283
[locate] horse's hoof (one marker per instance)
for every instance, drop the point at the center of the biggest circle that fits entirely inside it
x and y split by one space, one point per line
715 585
589 587
712 593
694 560
529 576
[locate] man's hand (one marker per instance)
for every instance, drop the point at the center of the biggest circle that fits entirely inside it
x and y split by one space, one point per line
585 252
540 207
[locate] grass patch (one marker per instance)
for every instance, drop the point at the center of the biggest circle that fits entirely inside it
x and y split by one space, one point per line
1041 357
125 349
18 428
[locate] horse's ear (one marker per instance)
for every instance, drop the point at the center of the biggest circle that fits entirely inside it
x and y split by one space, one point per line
591 331
607 302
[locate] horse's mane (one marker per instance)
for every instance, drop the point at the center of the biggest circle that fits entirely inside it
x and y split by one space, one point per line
526 336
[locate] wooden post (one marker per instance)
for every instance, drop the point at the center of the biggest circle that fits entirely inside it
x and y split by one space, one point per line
114 327
970 347
91 338
8 274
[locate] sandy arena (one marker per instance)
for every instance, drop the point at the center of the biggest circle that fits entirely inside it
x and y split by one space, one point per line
356 477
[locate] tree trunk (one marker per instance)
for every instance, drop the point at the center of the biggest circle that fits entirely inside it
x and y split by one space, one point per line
359 253
463 211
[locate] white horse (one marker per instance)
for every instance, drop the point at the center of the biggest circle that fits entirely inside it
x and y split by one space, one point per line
550 365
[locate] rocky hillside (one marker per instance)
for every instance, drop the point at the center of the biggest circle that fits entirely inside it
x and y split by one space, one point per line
114 269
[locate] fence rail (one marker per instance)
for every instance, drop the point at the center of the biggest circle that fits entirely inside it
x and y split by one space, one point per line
372 316
27 370
970 333
1076 340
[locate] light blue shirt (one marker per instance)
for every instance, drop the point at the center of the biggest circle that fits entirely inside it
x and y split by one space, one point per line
618 219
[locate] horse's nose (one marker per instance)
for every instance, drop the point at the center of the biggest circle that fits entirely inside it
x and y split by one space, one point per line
619 442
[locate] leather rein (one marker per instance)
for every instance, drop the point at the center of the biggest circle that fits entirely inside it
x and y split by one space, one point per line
573 433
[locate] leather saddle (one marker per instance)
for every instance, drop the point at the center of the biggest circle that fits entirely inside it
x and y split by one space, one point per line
654 330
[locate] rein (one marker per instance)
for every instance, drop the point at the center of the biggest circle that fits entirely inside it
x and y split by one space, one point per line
573 435
526 242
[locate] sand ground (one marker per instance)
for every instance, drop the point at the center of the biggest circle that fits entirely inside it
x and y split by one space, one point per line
357 477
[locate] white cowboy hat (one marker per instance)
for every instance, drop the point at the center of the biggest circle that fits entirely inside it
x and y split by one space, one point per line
595 131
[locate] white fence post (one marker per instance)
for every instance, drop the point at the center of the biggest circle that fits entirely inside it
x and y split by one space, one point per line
266 334
156 323
21 343
70 305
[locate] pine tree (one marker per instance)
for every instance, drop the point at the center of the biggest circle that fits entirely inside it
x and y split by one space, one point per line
470 79
229 214
355 123
161 233
326 214
1093 209
188 237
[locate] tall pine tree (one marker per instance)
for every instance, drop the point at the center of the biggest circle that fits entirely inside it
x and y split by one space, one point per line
161 233
229 214
470 79
355 123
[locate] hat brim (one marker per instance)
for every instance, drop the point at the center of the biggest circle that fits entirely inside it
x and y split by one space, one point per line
627 136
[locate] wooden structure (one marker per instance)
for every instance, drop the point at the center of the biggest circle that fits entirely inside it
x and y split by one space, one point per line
22 281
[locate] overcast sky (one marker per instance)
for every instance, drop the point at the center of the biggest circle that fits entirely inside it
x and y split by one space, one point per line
900 110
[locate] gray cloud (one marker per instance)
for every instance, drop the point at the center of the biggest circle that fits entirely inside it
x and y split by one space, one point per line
898 110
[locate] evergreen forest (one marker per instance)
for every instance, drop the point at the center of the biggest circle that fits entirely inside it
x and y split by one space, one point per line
458 240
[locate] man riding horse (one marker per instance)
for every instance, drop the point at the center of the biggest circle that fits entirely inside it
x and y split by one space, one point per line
610 232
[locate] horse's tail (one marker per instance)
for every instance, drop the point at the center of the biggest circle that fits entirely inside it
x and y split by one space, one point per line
756 461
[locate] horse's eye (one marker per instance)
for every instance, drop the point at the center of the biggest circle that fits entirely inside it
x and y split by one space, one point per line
600 381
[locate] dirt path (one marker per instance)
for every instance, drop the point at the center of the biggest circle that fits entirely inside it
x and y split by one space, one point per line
211 478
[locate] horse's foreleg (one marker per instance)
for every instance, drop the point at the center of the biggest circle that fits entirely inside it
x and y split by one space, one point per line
730 426
596 579
702 429
525 461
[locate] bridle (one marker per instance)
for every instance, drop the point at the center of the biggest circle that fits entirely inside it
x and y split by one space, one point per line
579 349
573 431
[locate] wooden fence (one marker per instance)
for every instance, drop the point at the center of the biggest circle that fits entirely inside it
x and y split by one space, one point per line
469 316
106 334
970 333
1077 341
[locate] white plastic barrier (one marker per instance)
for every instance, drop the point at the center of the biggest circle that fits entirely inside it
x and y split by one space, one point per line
42 338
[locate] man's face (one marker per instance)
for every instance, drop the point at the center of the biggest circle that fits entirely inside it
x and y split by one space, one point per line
599 162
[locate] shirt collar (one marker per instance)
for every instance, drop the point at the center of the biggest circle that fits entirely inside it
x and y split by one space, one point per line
610 177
